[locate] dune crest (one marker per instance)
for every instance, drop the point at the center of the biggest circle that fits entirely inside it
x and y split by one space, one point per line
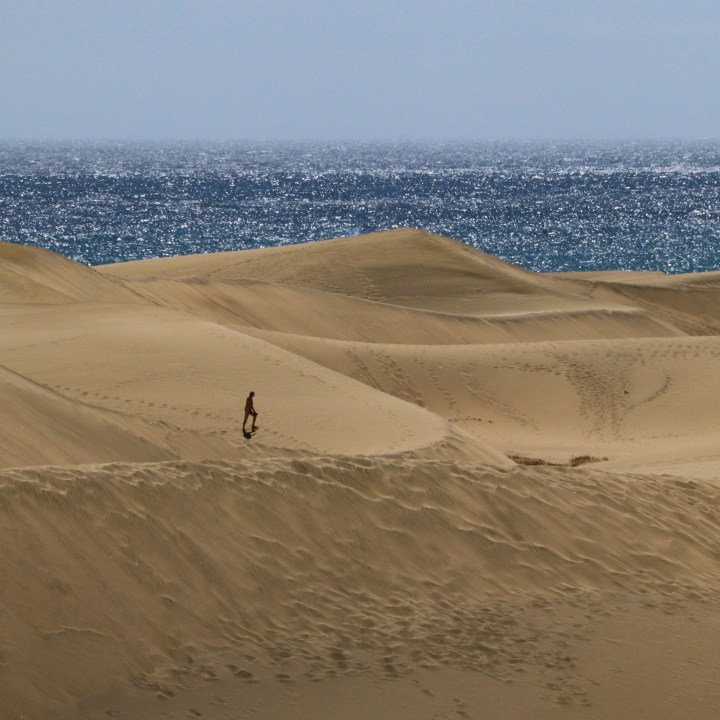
36 276
475 490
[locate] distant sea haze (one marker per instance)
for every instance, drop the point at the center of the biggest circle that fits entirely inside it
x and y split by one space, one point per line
544 206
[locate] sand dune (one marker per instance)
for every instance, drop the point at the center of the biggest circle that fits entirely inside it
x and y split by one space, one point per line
35 276
638 402
42 427
180 577
250 305
407 268
191 377
475 491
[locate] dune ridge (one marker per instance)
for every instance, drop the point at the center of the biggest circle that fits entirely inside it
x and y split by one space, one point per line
475 491
36 276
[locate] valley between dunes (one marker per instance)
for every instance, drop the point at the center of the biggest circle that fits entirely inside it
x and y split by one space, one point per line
475 491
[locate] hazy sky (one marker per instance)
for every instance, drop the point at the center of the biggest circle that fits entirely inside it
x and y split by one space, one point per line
371 69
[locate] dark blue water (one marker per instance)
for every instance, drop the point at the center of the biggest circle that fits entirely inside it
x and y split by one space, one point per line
547 207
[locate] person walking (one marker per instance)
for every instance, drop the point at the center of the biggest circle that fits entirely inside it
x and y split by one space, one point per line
250 410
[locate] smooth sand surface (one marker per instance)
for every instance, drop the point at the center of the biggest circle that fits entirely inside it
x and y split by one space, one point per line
475 491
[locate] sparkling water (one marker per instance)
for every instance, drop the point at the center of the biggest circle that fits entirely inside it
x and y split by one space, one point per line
545 206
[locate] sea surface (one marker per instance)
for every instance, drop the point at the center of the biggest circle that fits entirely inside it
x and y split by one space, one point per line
545 206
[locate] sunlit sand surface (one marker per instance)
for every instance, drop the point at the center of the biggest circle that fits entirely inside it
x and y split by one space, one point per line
475 491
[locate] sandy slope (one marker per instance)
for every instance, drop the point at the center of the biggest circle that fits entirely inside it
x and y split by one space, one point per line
639 403
405 536
181 577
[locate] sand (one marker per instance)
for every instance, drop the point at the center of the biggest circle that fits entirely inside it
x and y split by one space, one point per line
475 491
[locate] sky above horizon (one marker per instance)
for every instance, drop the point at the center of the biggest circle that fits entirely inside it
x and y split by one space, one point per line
359 70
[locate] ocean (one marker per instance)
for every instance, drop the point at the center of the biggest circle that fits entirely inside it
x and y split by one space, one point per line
544 206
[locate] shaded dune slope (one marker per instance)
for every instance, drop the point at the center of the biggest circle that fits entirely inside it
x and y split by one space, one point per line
373 570
39 426
36 276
